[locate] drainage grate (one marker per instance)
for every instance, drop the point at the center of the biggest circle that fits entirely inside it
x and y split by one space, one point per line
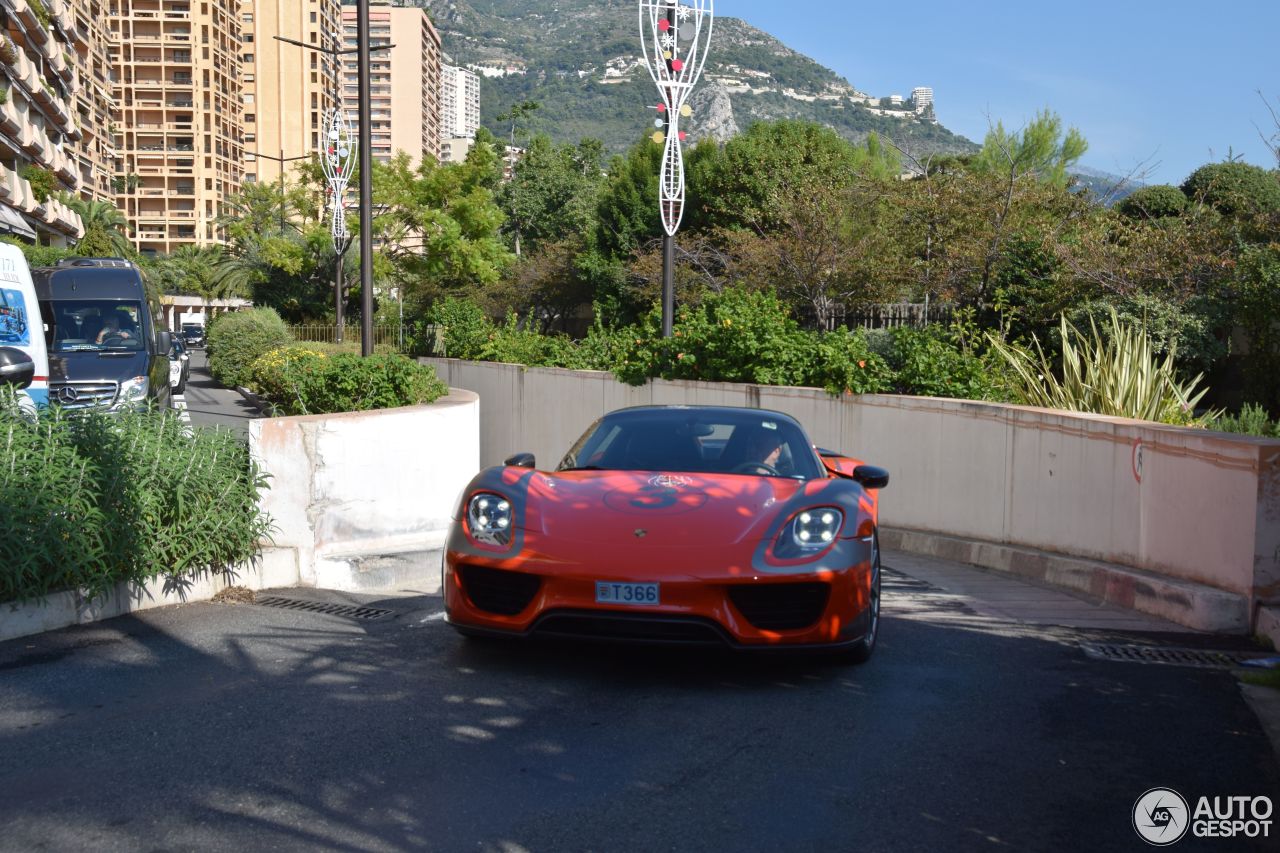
1204 658
324 607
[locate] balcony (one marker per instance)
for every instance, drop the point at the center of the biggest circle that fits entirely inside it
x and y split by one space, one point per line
6 182
10 121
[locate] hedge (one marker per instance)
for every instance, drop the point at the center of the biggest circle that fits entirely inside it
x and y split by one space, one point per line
236 340
95 500
303 380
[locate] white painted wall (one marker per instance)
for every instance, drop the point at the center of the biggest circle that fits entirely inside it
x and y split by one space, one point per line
366 483
1206 509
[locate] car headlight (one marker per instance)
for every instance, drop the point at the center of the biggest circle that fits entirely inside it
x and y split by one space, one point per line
809 531
489 518
133 390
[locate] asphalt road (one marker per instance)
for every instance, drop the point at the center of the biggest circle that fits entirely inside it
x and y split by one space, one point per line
209 404
242 727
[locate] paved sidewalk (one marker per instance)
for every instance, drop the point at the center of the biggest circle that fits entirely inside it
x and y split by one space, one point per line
1000 596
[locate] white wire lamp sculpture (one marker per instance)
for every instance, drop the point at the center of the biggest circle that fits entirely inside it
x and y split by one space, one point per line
676 37
338 160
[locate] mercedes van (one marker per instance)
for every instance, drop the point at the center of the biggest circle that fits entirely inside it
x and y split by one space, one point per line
105 351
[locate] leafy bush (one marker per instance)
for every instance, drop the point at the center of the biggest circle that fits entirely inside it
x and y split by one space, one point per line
466 326
1117 373
301 381
1153 202
237 339
42 181
1235 188
930 363
1252 420
92 501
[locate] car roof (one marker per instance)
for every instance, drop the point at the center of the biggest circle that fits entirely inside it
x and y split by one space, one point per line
742 411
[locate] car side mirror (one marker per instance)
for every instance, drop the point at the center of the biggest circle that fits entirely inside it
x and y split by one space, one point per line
164 341
871 477
521 460
16 367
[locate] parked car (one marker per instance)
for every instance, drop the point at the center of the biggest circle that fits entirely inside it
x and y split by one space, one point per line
193 334
179 365
679 524
105 351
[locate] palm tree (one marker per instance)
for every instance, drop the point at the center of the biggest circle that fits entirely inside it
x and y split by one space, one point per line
105 229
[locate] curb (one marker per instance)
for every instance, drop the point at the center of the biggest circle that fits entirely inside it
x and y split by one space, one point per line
1193 605
271 569
264 408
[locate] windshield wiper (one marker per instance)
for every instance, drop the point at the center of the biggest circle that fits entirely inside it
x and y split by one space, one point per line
585 468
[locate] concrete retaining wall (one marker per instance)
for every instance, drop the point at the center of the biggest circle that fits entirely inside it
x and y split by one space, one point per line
1189 505
274 567
365 483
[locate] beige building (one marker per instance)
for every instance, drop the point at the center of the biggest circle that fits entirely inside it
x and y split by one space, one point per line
287 89
409 121
38 126
178 117
95 150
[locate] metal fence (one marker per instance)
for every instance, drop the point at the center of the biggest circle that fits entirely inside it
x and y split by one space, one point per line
894 314
429 340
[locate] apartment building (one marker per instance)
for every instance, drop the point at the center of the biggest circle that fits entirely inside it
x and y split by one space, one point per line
459 103
38 126
95 150
178 117
287 89
409 121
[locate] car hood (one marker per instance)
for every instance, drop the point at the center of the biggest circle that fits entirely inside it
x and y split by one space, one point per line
675 509
92 366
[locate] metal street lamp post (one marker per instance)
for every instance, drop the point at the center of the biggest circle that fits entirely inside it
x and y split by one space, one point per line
281 160
675 38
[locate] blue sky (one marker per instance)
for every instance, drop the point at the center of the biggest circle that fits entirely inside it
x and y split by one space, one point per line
1171 82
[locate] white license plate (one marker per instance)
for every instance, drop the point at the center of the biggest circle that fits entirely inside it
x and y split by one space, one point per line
642 594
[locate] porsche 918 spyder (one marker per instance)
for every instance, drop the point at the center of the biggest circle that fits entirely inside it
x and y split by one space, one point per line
674 525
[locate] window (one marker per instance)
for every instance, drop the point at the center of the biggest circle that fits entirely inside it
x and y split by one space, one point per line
313 17
250 118
247 38
248 17
248 57
248 97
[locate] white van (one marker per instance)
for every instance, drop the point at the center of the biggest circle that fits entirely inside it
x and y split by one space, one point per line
24 362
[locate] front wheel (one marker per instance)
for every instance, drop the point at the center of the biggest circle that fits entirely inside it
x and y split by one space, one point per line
862 651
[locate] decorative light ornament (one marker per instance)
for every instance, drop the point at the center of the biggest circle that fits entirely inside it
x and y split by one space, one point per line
338 160
675 38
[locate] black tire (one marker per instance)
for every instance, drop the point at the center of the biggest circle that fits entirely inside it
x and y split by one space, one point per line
180 387
862 651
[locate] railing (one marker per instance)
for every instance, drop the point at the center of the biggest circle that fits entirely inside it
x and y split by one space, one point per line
892 315
384 334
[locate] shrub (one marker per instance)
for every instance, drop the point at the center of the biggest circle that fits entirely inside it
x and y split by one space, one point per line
1252 420
1114 373
237 339
42 181
1154 202
299 381
1235 188
95 500
8 51
466 326
4 95
930 363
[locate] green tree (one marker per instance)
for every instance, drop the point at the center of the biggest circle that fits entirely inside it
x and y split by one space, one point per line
1235 188
105 230
553 192
1041 149
1153 202
518 113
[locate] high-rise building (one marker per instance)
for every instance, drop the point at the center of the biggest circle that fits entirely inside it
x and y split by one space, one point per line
923 96
178 117
459 103
38 126
95 150
286 88
409 121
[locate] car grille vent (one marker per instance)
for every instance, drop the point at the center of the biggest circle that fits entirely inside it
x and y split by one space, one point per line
781 606
631 627
83 395
497 591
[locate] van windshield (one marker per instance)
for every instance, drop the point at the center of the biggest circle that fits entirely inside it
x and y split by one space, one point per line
97 324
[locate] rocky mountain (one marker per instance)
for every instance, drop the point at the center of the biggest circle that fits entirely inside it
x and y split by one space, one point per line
581 61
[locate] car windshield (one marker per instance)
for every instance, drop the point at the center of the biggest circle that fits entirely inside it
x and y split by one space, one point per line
698 441
97 324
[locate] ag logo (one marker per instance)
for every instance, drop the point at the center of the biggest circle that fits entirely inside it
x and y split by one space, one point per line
1160 816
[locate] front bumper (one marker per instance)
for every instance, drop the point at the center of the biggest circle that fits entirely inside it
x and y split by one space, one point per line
823 605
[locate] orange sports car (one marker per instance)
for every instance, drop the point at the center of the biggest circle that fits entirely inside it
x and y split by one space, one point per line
674 524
